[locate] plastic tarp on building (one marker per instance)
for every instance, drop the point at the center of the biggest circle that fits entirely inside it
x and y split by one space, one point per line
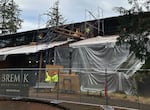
98 60
27 49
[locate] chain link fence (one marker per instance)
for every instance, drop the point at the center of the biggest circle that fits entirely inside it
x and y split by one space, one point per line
105 87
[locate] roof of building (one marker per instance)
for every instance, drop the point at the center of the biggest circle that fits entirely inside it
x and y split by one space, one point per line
27 49
95 40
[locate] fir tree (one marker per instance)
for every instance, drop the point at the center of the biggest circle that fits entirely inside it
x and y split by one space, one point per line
55 18
9 16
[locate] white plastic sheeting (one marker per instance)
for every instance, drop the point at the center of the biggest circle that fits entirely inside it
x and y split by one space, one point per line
97 60
96 40
27 49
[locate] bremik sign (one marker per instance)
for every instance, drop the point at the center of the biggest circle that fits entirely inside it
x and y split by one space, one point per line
14 78
16 83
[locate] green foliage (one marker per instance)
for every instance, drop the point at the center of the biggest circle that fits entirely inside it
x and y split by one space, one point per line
134 30
9 14
125 96
55 18
147 63
143 75
135 27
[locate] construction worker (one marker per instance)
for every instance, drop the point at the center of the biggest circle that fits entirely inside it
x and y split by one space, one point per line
55 77
48 78
87 32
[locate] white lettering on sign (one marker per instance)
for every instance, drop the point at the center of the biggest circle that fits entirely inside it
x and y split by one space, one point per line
25 78
15 78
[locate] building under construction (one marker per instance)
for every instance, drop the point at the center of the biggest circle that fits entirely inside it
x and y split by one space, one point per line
70 32
88 45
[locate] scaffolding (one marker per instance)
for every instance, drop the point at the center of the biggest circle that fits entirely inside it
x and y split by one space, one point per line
99 20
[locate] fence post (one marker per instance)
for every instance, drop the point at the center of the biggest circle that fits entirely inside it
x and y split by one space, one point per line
21 72
80 84
137 90
105 87
58 84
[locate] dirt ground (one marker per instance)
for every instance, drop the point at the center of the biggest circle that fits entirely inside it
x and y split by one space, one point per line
120 100
21 105
80 101
71 106
113 102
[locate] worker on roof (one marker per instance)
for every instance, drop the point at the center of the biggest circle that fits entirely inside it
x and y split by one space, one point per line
87 31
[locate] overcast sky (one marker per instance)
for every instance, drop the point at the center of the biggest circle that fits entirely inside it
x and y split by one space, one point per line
72 10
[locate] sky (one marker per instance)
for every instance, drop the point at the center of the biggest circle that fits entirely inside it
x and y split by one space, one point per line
72 10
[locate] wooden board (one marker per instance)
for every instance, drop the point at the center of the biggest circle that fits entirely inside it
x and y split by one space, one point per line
69 82
54 68
69 33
